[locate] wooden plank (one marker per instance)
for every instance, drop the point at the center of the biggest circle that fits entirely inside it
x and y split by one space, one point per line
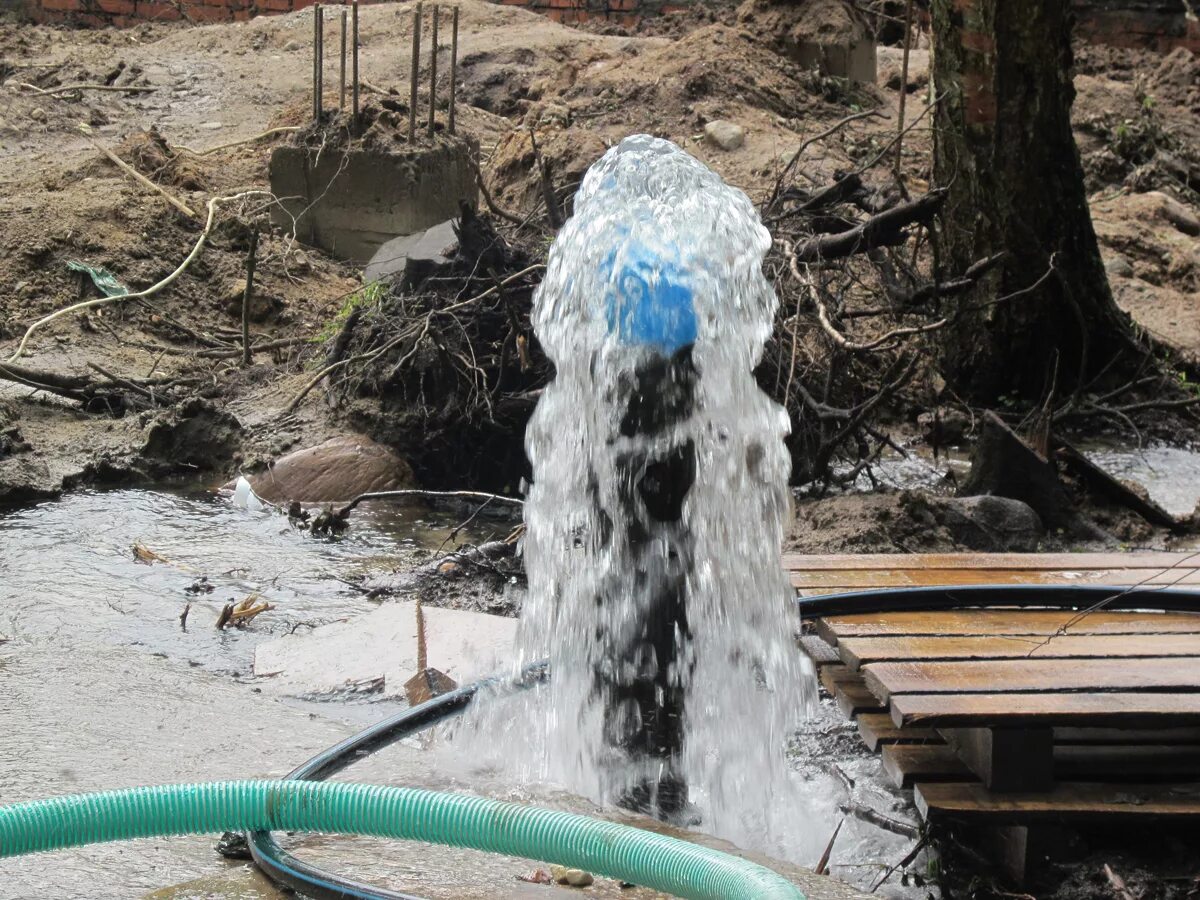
853 698
860 651
877 729
873 579
1004 621
821 653
1181 673
1006 759
1086 762
907 764
1071 800
831 676
1033 562
1100 710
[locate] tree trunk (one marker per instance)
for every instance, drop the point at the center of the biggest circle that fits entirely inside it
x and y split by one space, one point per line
1003 147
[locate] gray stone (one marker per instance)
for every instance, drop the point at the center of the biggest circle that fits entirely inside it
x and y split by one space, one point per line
37 114
338 470
996 524
726 135
427 247
1118 265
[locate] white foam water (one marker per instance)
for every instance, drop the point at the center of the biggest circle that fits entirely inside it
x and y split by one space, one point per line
659 271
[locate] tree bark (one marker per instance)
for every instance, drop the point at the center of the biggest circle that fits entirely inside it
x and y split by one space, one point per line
1003 148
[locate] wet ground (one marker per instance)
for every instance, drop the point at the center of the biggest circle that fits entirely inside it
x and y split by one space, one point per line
104 688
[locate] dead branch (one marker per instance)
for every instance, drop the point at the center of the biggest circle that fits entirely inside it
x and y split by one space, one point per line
344 512
67 88
882 230
142 179
286 129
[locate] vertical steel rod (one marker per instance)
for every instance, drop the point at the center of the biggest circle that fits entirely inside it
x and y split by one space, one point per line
453 66
416 68
342 69
433 49
315 64
354 59
320 17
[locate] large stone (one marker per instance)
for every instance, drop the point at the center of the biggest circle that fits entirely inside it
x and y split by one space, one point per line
351 202
336 471
412 254
726 135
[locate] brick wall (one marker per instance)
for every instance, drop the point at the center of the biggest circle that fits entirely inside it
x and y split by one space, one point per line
622 12
123 13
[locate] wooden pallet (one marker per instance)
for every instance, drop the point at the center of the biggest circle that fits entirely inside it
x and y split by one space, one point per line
1008 718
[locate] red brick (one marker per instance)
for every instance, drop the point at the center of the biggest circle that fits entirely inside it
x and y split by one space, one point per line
207 14
302 4
88 20
66 5
117 7
157 11
243 15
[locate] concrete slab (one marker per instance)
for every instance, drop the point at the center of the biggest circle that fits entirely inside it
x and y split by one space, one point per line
383 644
351 202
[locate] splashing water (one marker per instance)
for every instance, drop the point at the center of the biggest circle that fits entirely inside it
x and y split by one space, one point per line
655 518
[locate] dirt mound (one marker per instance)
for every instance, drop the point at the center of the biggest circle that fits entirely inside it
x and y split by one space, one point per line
788 26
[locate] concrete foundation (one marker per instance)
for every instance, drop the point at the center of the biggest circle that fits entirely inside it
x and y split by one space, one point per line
855 60
349 203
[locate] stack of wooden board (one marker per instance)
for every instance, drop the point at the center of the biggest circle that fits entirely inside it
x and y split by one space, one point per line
1007 718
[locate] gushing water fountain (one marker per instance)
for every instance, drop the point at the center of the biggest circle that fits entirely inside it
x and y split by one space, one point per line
658 501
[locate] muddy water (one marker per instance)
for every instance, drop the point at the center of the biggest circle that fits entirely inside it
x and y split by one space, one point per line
101 688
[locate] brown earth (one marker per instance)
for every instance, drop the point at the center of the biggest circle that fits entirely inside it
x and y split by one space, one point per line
582 90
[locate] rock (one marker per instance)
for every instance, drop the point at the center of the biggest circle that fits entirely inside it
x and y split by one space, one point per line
416 255
726 135
338 470
292 46
37 114
578 878
995 524
1118 265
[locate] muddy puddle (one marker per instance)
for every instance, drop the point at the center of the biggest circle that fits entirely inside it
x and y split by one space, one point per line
102 688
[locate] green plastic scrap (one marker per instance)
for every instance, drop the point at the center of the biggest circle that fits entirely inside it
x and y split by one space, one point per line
103 279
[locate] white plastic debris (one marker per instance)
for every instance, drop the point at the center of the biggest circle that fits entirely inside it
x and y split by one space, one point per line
244 496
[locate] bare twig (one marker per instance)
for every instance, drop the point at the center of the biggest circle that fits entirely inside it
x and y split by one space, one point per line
67 88
285 129
213 204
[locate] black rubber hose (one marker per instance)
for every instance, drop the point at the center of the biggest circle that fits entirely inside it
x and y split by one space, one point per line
1054 596
284 869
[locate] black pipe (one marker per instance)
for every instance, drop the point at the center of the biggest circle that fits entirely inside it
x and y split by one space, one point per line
284 869
1054 596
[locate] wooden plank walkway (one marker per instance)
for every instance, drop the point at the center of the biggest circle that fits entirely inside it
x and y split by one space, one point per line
1015 716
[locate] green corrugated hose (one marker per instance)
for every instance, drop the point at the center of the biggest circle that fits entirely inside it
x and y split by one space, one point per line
605 848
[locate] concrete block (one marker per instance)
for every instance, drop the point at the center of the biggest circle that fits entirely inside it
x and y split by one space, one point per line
350 203
854 60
